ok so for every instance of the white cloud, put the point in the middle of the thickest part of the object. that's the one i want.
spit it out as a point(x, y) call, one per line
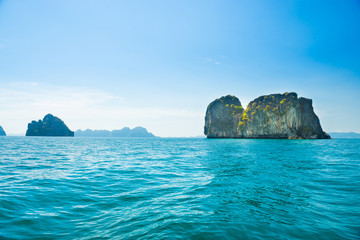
point(210, 60)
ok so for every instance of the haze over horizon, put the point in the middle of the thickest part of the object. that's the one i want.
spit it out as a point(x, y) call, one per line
point(114, 64)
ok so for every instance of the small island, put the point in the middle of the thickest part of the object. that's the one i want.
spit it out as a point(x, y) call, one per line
point(344, 135)
point(2, 132)
point(50, 126)
point(277, 116)
point(124, 132)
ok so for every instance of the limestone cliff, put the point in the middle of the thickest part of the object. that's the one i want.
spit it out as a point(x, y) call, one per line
point(2, 132)
point(49, 126)
point(272, 116)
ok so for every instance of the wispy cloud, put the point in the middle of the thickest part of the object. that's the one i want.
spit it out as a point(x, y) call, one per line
point(210, 60)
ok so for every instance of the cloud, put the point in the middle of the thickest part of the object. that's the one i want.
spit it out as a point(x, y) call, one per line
point(39, 97)
point(210, 60)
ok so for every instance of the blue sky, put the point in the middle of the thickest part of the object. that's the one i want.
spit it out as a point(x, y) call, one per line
point(157, 64)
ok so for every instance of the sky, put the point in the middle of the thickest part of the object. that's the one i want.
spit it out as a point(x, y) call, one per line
point(158, 64)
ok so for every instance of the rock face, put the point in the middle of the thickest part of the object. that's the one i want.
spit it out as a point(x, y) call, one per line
point(2, 132)
point(49, 126)
point(272, 116)
point(124, 132)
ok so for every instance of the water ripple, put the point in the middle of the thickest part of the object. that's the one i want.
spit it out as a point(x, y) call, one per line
point(112, 188)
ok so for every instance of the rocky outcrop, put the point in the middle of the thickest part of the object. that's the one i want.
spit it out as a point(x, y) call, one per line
point(2, 132)
point(49, 126)
point(272, 116)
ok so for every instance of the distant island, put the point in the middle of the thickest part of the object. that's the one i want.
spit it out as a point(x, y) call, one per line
point(278, 116)
point(124, 132)
point(344, 135)
point(49, 126)
point(2, 132)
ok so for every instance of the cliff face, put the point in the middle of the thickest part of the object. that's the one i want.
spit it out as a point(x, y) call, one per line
point(222, 117)
point(2, 132)
point(271, 116)
point(49, 126)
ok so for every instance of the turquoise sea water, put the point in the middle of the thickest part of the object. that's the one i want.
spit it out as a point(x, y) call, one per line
point(113, 188)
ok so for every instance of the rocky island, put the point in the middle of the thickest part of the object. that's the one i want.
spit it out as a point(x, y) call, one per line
point(49, 126)
point(124, 132)
point(272, 116)
point(2, 132)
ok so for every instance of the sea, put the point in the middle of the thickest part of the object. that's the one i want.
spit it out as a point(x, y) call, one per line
point(179, 188)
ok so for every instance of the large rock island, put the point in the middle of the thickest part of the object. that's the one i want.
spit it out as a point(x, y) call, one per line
point(2, 132)
point(272, 116)
point(49, 126)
